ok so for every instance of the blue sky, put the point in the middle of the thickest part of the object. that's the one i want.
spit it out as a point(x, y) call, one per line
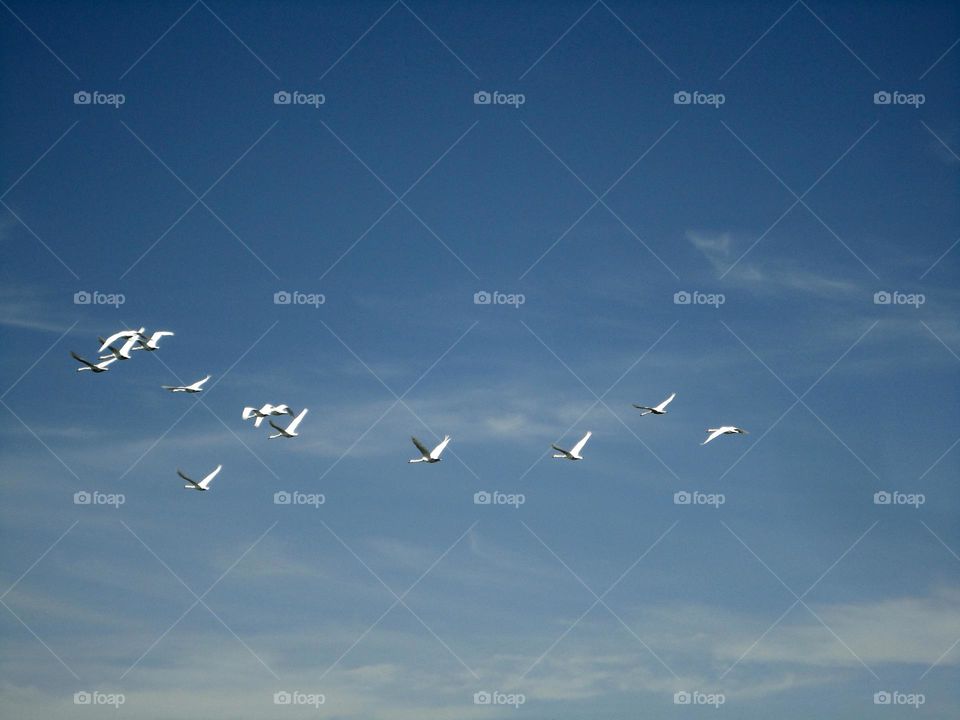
point(782, 212)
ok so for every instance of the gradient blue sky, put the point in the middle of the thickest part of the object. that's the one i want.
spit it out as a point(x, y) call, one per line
point(599, 199)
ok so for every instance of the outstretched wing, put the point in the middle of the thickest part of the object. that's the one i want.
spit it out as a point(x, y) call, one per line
point(561, 450)
point(579, 446)
point(666, 402)
point(292, 427)
point(192, 482)
point(421, 447)
point(435, 453)
point(713, 436)
point(80, 359)
point(209, 478)
point(198, 383)
point(277, 428)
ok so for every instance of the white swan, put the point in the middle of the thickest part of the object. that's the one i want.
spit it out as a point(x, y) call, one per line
point(574, 452)
point(656, 409)
point(194, 388)
point(124, 352)
point(203, 484)
point(725, 430)
point(429, 456)
point(99, 367)
point(265, 411)
point(290, 431)
point(117, 335)
point(151, 343)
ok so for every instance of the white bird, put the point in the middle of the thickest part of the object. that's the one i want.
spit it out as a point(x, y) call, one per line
point(124, 352)
point(194, 388)
point(656, 409)
point(266, 411)
point(429, 456)
point(116, 336)
point(99, 367)
point(203, 484)
point(151, 342)
point(725, 430)
point(574, 452)
point(290, 431)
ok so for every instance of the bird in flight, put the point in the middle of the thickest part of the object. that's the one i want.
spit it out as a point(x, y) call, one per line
point(429, 456)
point(290, 431)
point(574, 452)
point(203, 484)
point(194, 388)
point(725, 430)
point(656, 409)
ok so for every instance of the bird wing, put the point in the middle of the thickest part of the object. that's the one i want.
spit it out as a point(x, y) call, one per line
point(125, 349)
point(421, 447)
point(198, 383)
point(180, 473)
point(561, 450)
point(296, 421)
point(116, 336)
point(714, 435)
point(81, 360)
point(209, 478)
point(666, 402)
point(248, 412)
point(575, 450)
point(277, 428)
point(435, 453)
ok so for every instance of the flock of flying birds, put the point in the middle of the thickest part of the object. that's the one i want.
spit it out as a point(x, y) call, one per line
point(138, 340)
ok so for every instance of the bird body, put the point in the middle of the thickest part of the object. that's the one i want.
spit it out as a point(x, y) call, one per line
point(574, 452)
point(429, 456)
point(724, 430)
point(656, 409)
